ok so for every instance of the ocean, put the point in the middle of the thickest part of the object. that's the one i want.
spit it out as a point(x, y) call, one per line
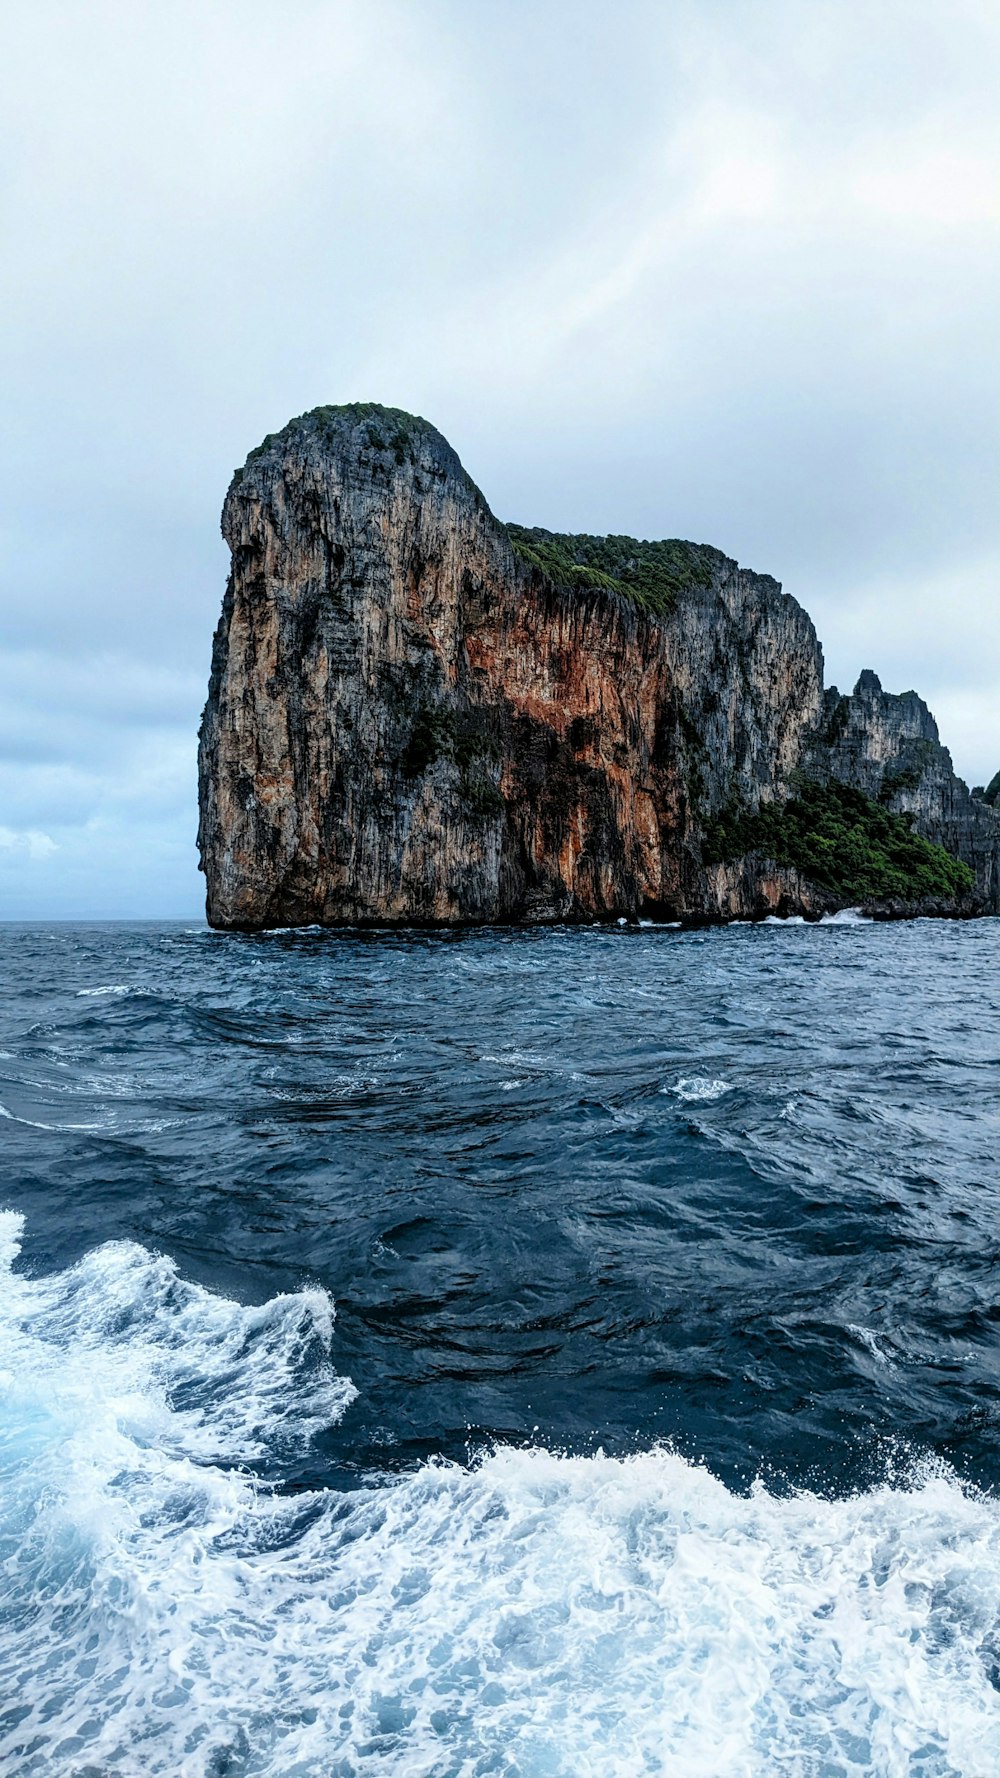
point(566, 1352)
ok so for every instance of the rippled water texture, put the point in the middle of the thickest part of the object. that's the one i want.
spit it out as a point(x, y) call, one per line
point(547, 1352)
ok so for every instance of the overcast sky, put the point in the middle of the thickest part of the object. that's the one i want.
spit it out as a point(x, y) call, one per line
point(725, 270)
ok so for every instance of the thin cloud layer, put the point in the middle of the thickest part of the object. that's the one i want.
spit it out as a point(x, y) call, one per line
point(725, 273)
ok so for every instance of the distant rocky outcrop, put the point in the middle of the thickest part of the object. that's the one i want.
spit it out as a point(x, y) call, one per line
point(887, 745)
point(417, 714)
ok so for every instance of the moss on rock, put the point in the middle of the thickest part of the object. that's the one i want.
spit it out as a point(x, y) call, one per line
point(651, 575)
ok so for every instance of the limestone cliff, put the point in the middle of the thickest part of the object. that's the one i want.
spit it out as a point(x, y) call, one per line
point(887, 745)
point(412, 720)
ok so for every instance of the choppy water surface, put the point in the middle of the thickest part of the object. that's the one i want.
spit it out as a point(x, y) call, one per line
point(569, 1352)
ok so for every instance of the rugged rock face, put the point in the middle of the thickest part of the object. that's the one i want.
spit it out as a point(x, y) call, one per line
point(409, 722)
point(887, 745)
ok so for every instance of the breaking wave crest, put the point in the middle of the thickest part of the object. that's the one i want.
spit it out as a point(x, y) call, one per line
point(583, 1617)
point(697, 1087)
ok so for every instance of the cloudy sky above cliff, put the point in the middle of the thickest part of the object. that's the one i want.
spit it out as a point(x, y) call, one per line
point(726, 270)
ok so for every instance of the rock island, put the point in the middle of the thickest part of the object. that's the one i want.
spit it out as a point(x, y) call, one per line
point(420, 715)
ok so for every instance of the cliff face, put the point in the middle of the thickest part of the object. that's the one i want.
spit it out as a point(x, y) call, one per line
point(408, 721)
point(887, 745)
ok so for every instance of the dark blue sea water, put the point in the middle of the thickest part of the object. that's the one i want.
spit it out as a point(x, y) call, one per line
point(566, 1352)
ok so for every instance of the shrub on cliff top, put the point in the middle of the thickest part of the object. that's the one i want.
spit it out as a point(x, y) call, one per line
point(387, 428)
point(652, 575)
point(843, 842)
point(390, 432)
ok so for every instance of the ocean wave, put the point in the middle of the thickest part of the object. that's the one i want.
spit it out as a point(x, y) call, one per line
point(867, 1338)
point(217, 1381)
point(32, 1123)
point(165, 1613)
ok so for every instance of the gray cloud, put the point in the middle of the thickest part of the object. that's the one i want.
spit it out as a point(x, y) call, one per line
point(723, 272)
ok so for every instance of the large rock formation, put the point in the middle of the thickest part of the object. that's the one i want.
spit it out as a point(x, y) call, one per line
point(410, 719)
point(887, 745)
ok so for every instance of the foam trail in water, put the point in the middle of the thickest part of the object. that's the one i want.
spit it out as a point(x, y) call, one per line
point(572, 1617)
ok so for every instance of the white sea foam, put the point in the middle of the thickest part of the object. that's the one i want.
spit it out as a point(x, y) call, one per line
point(870, 1341)
point(784, 920)
point(573, 1617)
point(224, 1381)
point(31, 1123)
point(847, 917)
point(114, 988)
point(695, 1087)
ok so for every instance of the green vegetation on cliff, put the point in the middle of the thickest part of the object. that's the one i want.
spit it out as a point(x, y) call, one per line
point(652, 575)
point(844, 843)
